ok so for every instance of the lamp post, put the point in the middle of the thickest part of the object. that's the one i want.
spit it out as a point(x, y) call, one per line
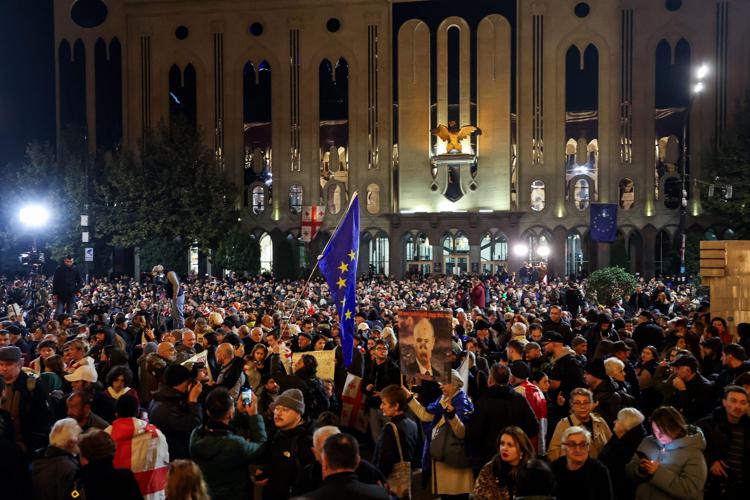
point(697, 86)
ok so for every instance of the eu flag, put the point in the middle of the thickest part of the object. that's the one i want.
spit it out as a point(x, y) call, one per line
point(603, 226)
point(339, 267)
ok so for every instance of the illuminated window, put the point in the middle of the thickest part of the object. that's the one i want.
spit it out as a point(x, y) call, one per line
point(266, 253)
point(295, 199)
point(259, 200)
point(581, 194)
point(537, 196)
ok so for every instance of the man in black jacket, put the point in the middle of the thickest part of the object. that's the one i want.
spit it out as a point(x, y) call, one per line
point(381, 373)
point(727, 433)
point(499, 407)
point(694, 395)
point(556, 323)
point(340, 460)
point(66, 283)
point(175, 409)
point(647, 332)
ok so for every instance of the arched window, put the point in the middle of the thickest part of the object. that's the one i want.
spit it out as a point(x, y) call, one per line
point(334, 198)
point(574, 263)
point(373, 198)
point(493, 252)
point(379, 257)
point(295, 199)
point(456, 254)
point(537, 196)
point(627, 194)
point(266, 253)
point(581, 194)
point(258, 200)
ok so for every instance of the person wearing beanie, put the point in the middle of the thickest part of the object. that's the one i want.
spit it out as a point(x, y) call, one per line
point(627, 434)
point(175, 409)
point(603, 329)
point(519, 380)
point(290, 448)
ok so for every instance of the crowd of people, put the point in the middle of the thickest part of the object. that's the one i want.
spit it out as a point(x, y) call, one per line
point(187, 390)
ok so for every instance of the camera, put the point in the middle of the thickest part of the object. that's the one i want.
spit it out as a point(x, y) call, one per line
point(32, 258)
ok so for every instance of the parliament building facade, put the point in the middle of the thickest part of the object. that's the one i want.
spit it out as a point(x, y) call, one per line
point(307, 101)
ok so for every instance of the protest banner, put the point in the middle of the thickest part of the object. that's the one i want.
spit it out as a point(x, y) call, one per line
point(424, 339)
point(326, 362)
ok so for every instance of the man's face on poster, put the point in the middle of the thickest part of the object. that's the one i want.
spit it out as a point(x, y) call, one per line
point(424, 341)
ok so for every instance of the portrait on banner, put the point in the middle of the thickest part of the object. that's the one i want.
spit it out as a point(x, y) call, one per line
point(424, 343)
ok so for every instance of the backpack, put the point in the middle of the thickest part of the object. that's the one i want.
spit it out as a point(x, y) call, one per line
point(316, 400)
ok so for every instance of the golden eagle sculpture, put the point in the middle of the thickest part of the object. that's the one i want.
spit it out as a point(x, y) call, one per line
point(453, 135)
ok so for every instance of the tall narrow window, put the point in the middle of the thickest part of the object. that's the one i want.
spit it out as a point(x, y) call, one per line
point(183, 95)
point(295, 199)
point(537, 196)
point(334, 123)
point(266, 253)
point(627, 194)
point(256, 119)
point(581, 194)
point(373, 198)
point(258, 200)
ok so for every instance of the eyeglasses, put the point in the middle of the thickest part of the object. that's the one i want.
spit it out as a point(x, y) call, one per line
point(581, 446)
point(581, 403)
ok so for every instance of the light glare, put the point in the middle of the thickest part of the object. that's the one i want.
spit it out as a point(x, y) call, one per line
point(520, 250)
point(33, 216)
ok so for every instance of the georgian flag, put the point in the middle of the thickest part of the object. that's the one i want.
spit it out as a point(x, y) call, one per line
point(312, 219)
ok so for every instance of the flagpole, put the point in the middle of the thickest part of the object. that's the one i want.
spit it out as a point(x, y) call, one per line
point(315, 267)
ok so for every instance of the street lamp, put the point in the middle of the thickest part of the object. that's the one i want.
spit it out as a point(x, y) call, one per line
point(33, 216)
point(520, 249)
point(697, 87)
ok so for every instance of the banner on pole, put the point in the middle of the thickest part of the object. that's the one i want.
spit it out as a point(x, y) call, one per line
point(424, 339)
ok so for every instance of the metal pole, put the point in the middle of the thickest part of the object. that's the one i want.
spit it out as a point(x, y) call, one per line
point(683, 192)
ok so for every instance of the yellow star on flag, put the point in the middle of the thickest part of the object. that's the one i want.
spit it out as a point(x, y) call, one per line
point(348, 315)
point(352, 254)
point(344, 267)
point(341, 282)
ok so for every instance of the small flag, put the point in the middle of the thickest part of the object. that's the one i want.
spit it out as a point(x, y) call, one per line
point(603, 225)
point(338, 264)
point(353, 404)
point(312, 219)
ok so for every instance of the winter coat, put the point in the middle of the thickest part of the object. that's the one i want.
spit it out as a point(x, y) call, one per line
point(223, 455)
point(696, 401)
point(143, 449)
point(499, 407)
point(66, 281)
point(616, 454)
point(446, 480)
point(101, 481)
point(599, 437)
point(53, 474)
point(385, 455)
point(590, 482)
point(611, 399)
point(347, 485)
point(380, 376)
point(682, 469)
point(718, 433)
point(287, 454)
point(151, 367)
point(176, 418)
point(493, 482)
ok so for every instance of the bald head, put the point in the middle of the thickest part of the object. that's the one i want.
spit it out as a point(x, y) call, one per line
point(224, 353)
point(167, 351)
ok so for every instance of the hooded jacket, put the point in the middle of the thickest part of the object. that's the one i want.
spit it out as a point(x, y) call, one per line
point(142, 448)
point(682, 471)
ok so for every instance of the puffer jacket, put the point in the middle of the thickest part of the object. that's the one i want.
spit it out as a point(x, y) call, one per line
point(171, 412)
point(682, 469)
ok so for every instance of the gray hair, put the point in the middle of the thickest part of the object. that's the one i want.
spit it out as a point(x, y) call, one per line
point(456, 379)
point(322, 433)
point(613, 366)
point(518, 329)
point(572, 431)
point(630, 418)
point(65, 435)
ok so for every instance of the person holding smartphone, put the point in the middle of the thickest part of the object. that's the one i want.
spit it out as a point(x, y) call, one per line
point(230, 441)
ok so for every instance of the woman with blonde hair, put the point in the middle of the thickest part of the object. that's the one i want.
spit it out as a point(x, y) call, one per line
point(185, 481)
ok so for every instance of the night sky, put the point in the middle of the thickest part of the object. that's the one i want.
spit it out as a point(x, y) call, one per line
point(27, 76)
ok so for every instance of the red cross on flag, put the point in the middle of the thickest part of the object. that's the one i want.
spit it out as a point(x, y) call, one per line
point(312, 219)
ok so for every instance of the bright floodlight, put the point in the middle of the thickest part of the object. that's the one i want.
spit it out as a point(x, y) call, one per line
point(698, 88)
point(520, 250)
point(702, 71)
point(33, 215)
point(543, 251)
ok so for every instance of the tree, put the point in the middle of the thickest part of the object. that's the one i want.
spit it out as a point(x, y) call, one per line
point(610, 284)
point(729, 160)
point(238, 252)
point(57, 180)
point(171, 190)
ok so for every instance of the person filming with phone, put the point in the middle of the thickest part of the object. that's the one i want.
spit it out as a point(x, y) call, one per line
point(228, 443)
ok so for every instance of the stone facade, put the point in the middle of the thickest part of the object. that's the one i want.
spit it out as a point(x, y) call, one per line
point(577, 103)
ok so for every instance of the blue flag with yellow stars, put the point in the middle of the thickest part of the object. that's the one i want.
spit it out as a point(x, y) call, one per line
point(603, 225)
point(339, 267)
